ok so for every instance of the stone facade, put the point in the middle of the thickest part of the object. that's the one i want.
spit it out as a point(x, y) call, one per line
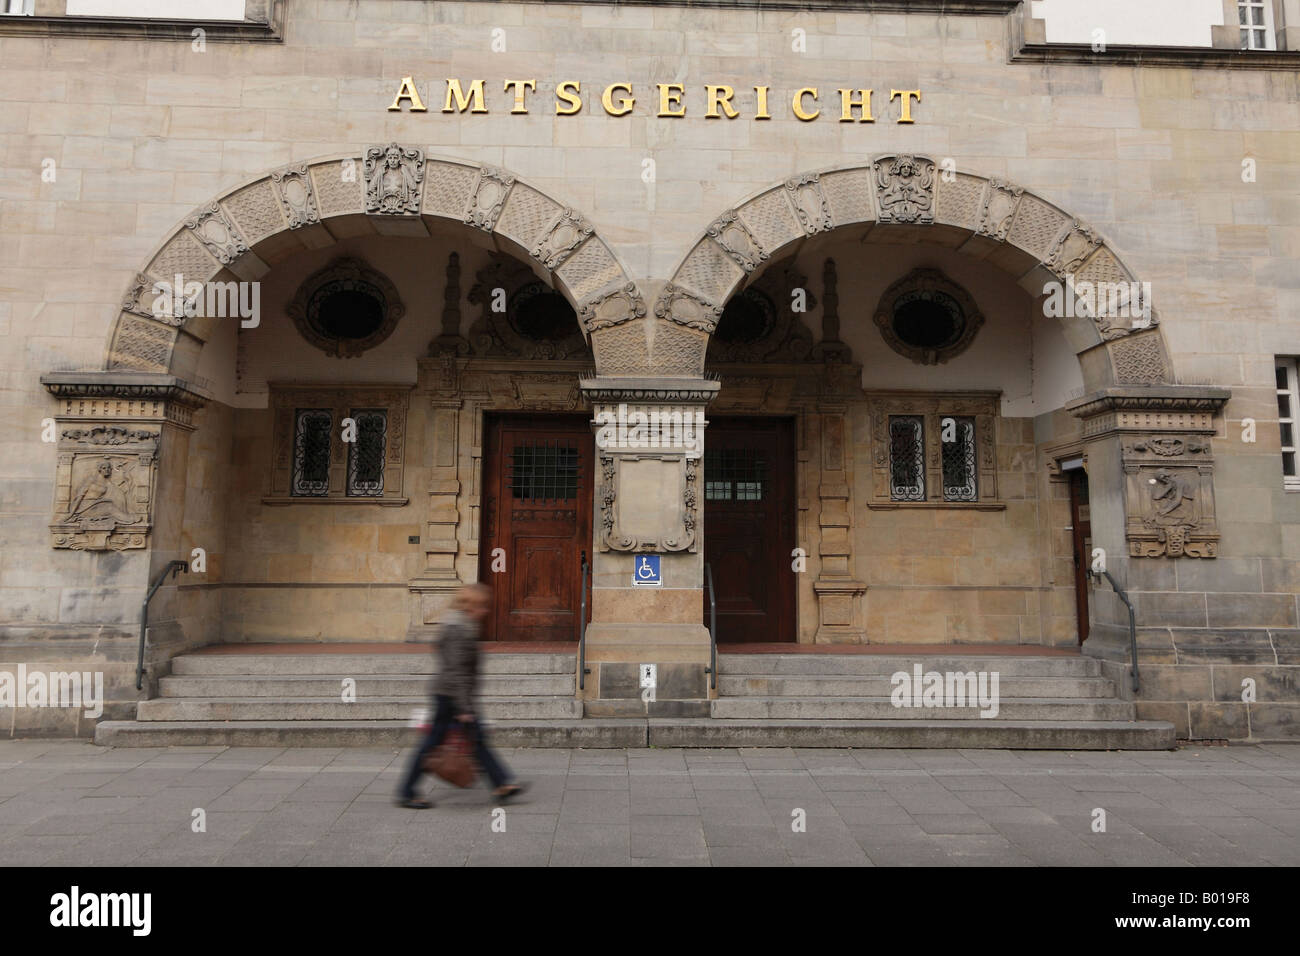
point(139, 433)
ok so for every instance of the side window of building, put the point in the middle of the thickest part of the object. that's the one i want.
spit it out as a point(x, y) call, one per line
point(338, 444)
point(1255, 23)
point(934, 451)
point(1288, 401)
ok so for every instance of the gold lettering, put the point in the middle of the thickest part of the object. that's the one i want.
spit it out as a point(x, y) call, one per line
point(762, 103)
point(462, 98)
point(670, 100)
point(797, 104)
point(847, 106)
point(907, 103)
point(625, 103)
point(519, 93)
point(721, 96)
point(568, 92)
point(407, 91)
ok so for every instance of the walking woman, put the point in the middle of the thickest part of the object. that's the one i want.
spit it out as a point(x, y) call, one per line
point(454, 695)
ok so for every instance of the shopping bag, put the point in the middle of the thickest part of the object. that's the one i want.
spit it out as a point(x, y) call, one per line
point(453, 759)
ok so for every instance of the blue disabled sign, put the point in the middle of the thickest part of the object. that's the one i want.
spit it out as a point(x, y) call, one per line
point(645, 571)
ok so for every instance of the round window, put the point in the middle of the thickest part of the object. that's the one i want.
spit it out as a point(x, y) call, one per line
point(748, 317)
point(346, 310)
point(541, 314)
point(928, 319)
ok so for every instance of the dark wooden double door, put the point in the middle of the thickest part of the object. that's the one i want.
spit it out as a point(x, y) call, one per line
point(749, 527)
point(537, 501)
point(538, 493)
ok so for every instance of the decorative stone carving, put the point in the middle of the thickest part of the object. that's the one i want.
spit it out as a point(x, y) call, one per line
point(613, 307)
point(686, 308)
point(1139, 360)
point(763, 326)
point(212, 227)
point(104, 499)
point(563, 236)
point(489, 196)
point(1169, 489)
point(344, 276)
point(508, 333)
point(905, 189)
point(450, 341)
point(809, 203)
point(1074, 246)
point(1001, 199)
point(830, 348)
point(932, 287)
point(139, 297)
point(731, 233)
point(297, 196)
point(642, 479)
point(394, 180)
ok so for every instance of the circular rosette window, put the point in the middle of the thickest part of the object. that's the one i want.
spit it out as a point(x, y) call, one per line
point(927, 317)
point(346, 309)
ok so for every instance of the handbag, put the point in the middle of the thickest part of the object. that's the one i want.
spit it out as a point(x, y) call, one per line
point(453, 759)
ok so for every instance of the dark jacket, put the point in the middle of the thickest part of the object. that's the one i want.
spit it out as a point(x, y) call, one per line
point(457, 660)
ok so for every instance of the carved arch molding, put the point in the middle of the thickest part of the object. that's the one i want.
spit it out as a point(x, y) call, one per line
point(398, 190)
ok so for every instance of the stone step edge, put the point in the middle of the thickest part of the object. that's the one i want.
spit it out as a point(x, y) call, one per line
point(636, 733)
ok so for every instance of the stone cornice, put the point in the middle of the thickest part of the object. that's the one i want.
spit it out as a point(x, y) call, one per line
point(138, 386)
point(1158, 398)
point(649, 390)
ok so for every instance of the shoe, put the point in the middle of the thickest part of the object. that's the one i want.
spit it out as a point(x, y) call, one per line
point(509, 790)
point(414, 803)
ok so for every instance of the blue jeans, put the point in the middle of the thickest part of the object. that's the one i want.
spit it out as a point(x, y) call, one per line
point(444, 716)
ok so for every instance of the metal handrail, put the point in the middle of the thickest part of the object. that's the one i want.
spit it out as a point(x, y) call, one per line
point(583, 670)
point(173, 568)
point(1132, 623)
point(713, 628)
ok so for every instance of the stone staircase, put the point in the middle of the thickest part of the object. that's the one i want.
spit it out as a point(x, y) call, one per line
point(844, 700)
point(252, 698)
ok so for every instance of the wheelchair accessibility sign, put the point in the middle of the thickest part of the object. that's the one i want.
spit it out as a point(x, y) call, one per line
point(645, 571)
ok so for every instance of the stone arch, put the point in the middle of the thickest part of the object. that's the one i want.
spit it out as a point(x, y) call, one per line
point(313, 203)
point(1003, 223)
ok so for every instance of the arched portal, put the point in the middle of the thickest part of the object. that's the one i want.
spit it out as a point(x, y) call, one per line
point(990, 219)
point(387, 190)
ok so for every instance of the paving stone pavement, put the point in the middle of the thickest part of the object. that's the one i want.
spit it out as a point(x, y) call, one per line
point(68, 803)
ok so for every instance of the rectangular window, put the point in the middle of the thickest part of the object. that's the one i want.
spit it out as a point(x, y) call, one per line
point(734, 474)
point(366, 454)
point(1255, 22)
point(1288, 402)
point(311, 452)
point(906, 458)
point(957, 439)
point(17, 7)
point(545, 470)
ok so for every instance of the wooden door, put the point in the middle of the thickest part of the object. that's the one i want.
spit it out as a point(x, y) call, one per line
point(537, 501)
point(749, 515)
point(1082, 530)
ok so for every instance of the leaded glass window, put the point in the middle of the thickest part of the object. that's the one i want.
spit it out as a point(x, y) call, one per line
point(366, 454)
point(906, 458)
point(734, 474)
point(544, 470)
point(311, 452)
point(957, 439)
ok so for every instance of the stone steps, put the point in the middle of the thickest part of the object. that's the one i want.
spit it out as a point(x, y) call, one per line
point(854, 685)
point(882, 708)
point(334, 708)
point(393, 685)
point(356, 665)
point(663, 733)
point(528, 700)
point(877, 665)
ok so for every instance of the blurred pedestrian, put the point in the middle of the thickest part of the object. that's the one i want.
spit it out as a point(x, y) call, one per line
point(455, 691)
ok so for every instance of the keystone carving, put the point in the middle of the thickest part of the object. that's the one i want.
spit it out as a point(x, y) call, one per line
point(394, 180)
point(905, 189)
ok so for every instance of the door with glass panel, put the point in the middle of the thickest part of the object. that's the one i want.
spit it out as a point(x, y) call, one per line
point(537, 501)
point(749, 525)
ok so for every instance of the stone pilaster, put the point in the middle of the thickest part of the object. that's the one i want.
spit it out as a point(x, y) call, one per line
point(649, 450)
